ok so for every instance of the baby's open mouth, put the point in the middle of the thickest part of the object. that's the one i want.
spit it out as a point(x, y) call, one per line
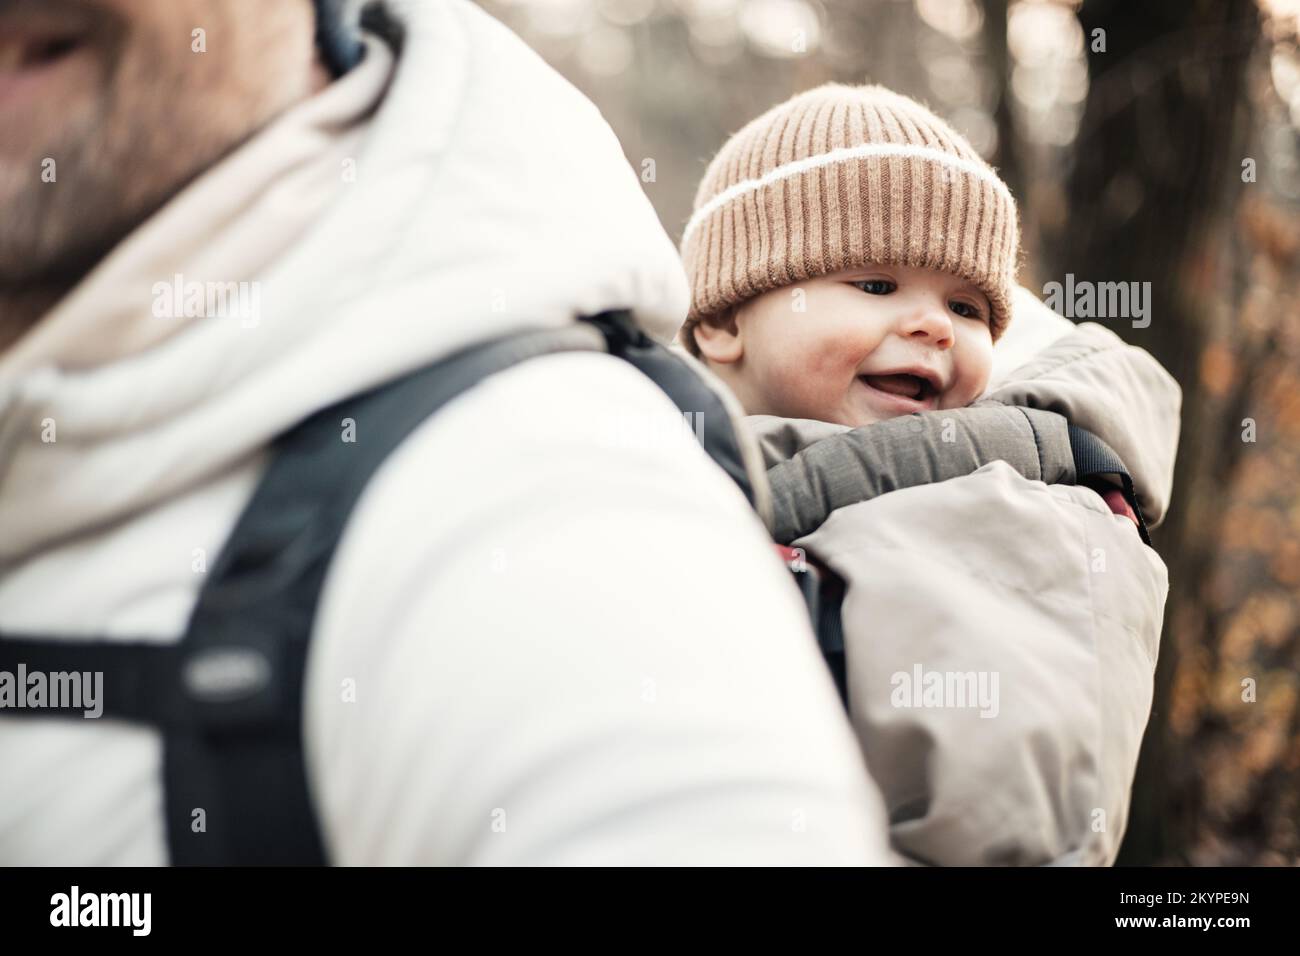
point(901, 383)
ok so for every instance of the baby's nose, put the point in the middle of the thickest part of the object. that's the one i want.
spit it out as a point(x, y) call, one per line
point(930, 324)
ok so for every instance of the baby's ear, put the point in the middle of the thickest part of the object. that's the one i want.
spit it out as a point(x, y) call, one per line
point(718, 337)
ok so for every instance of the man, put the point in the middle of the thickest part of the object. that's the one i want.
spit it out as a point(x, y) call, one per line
point(206, 238)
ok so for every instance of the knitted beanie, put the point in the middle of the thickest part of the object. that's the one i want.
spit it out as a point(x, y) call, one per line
point(837, 177)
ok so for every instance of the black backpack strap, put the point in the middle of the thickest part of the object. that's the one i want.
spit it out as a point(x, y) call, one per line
point(228, 697)
point(823, 595)
point(830, 635)
point(687, 390)
point(135, 677)
point(1094, 459)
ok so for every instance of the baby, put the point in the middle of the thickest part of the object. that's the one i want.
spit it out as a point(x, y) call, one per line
point(851, 259)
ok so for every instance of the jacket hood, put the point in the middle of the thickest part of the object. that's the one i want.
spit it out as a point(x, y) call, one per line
point(455, 191)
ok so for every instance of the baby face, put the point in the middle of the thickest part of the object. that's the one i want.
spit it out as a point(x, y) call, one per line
point(862, 345)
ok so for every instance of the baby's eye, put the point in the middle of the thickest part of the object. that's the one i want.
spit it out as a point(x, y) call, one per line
point(965, 309)
point(875, 286)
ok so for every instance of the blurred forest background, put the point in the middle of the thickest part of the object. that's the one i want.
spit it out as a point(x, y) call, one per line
point(1145, 141)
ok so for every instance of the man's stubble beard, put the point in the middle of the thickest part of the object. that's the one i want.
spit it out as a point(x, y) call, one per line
point(157, 125)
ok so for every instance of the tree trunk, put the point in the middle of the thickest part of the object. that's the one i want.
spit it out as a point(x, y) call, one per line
point(1149, 199)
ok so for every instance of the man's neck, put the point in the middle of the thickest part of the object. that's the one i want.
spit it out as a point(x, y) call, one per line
point(22, 308)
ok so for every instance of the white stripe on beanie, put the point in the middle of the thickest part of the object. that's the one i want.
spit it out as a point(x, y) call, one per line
point(845, 154)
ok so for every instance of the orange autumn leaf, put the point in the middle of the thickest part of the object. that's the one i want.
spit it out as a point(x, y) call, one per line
point(1218, 369)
